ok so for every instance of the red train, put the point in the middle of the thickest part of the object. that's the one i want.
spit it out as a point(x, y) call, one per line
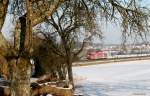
point(93, 55)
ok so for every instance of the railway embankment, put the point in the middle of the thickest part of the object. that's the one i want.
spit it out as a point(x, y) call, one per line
point(109, 60)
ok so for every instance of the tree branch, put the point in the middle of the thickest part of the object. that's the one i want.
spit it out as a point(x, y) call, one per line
point(48, 13)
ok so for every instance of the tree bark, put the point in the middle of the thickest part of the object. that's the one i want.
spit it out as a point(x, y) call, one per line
point(3, 42)
point(20, 82)
point(52, 9)
point(21, 72)
point(70, 75)
point(69, 68)
point(3, 11)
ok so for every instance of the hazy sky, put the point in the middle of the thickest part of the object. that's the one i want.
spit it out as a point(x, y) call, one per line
point(112, 32)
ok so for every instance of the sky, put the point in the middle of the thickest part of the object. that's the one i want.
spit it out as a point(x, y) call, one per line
point(146, 3)
point(112, 32)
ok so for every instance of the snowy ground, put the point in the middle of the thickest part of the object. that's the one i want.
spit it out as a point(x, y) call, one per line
point(115, 79)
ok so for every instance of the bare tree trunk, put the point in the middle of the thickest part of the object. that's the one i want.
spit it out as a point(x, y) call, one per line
point(70, 74)
point(20, 83)
point(69, 68)
point(3, 42)
point(3, 11)
point(61, 73)
point(21, 72)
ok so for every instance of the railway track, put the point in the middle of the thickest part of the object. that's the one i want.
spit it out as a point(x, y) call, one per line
point(109, 60)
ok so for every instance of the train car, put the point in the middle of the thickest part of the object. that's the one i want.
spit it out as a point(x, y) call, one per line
point(96, 55)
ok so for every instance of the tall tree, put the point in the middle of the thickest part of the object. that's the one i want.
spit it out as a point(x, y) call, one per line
point(66, 24)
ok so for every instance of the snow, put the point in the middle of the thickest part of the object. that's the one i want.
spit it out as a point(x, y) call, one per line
point(130, 78)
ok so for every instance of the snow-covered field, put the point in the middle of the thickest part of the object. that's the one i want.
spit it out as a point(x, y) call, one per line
point(130, 78)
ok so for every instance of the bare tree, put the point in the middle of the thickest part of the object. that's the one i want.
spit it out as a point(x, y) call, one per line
point(65, 24)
